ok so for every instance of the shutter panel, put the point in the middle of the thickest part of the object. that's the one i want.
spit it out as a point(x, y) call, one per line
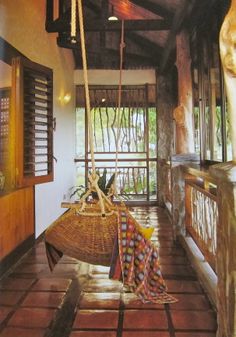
point(33, 99)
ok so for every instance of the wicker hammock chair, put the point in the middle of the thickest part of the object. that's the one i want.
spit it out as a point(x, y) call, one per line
point(87, 231)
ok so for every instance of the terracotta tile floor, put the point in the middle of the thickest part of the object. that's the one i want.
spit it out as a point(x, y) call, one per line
point(78, 300)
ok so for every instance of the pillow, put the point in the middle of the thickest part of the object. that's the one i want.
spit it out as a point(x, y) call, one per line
point(147, 232)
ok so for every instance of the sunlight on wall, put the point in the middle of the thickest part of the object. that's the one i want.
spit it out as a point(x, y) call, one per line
point(24, 28)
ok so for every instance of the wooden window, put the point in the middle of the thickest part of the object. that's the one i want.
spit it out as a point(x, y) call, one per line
point(4, 125)
point(211, 119)
point(32, 122)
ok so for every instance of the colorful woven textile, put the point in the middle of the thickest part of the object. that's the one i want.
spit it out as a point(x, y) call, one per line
point(139, 263)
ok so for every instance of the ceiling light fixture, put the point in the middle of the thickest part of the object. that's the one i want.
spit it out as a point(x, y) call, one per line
point(112, 17)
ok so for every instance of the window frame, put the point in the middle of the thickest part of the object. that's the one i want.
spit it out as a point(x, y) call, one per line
point(198, 39)
point(18, 123)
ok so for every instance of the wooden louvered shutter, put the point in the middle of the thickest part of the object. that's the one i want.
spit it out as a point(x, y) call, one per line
point(33, 108)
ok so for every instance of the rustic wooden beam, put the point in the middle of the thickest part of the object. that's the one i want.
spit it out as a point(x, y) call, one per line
point(104, 15)
point(93, 7)
point(110, 26)
point(180, 15)
point(154, 8)
point(111, 59)
point(152, 48)
point(7, 52)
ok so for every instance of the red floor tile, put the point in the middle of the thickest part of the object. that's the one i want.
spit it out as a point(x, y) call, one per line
point(131, 301)
point(164, 251)
point(17, 332)
point(64, 269)
point(28, 268)
point(39, 258)
point(32, 318)
point(103, 285)
point(10, 297)
point(4, 311)
point(99, 301)
point(52, 284)
point(193, 320)
point(43, 299)
point(192, 334)
point(180, 270)
point(182, 286)
point(165, 243)
point(190, 302)
point(93, 333)
point(173, 260)
point(96, 319)
point(145, 319)
point(145, 334)
point(16, 283)
point(190, 316)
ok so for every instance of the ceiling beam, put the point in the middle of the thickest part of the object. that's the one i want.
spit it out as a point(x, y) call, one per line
point(154, 8)
point(112, 60)
point(178, 21)
point(152, 48)
point(8, 52)
point(93, 7)
point(110, 26)
point(64, 43)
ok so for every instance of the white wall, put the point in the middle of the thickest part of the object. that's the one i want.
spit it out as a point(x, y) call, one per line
point(111, 77)
point(22, 24)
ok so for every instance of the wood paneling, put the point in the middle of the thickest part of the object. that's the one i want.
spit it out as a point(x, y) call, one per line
point(16, 219)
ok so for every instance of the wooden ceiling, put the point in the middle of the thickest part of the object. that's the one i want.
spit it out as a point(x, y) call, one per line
point(150, 30)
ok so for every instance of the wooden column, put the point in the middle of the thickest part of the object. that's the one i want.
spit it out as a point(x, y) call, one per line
point(184, 111)
point(225, 173)
point(166, 101)
point(228, 58)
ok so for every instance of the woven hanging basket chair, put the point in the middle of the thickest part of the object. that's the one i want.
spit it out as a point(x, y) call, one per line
point(87, 238)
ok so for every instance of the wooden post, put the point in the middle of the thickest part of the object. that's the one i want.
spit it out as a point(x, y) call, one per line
point(225, 173)
point(184, 111)
point(228, 58)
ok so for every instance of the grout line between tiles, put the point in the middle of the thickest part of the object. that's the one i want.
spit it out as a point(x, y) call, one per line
point(169, 320)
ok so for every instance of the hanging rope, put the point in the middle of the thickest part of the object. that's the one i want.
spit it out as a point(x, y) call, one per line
point(87, 98)
point(93, 178)
point(122, 46)
point(73, 21)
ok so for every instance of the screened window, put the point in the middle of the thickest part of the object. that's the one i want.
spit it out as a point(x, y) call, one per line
point(135, 127)
point(211, 121)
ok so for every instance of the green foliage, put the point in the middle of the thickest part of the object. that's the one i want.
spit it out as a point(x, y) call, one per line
point(102, 184)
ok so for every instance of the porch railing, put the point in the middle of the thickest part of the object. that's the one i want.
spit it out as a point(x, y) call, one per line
point(201, 213)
